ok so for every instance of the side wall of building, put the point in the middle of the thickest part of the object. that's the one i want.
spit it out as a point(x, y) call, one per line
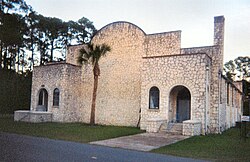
point(230, 104)
point(72, 95)
point(66, 78)
point(216, 52)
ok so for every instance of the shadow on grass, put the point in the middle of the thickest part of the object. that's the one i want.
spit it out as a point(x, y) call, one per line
point(77, 132)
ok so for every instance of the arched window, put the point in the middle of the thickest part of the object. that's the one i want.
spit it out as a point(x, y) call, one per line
point(43, 100)
point(154, 94)
point(56, 94)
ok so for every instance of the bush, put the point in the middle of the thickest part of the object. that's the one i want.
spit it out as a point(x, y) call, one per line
point(15, 91)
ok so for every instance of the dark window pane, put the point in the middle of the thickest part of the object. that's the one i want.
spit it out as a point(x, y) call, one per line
point(56, 97)
point(40, 100)
point(154, 98)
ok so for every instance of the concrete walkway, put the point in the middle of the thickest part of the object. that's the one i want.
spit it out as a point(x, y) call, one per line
point(142, 142)
point(23, 148)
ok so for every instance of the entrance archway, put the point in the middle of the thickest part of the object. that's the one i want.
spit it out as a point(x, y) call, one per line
point(42, 100)
point(180, 104)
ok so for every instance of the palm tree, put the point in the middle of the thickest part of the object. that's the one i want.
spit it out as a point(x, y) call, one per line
point(92, 54)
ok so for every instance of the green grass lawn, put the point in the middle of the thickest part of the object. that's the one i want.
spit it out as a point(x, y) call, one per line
point(228, 146)
point(77, 132)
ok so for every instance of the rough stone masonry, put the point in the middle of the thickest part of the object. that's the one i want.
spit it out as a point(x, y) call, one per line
point(146, 80)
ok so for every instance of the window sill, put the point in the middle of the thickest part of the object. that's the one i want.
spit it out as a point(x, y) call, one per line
point(154, 110)
point(56, 107)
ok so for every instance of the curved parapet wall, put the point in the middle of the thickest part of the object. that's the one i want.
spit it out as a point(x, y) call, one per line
point(118, 97)
point(119, 25)
point(120, 33)
point(119, 89)
point(158, 44)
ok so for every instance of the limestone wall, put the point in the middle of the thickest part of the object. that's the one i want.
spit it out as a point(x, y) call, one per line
point(170, 71)
point(161, 44)
point(73, 53)
point(66, 78)
point(32, 116)
point(46, 77)
point(118, 97)
point(217, 63)
point(72, 94)
point(119, 88)
point(209, 50)
point(230, 104)
point(216, 53)
point(191, 128)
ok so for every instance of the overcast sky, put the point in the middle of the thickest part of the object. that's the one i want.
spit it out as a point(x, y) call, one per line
point(195, 18)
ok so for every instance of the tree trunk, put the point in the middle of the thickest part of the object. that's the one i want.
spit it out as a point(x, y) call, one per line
point(5, 58)
point(23, 62)
point(32, 52)
point(96, 72)
point(92, 116)
point(10, 59)
point(51, 51)
point(18, 59)
point(1, 55)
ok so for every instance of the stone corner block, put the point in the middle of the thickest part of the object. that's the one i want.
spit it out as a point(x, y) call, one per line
point(32, 116)
point(154, 125)
point(191, 128)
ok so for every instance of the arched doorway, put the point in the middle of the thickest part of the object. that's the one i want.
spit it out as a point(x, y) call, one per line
point(42, 100)
point(180, 104)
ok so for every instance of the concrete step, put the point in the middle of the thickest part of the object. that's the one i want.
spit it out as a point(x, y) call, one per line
point(172, 128)
point(174, 132)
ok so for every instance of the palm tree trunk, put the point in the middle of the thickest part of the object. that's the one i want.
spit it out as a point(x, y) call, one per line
point(96, 72)
point(92, 115)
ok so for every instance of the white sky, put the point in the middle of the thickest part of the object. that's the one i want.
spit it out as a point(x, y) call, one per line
point(195, 18)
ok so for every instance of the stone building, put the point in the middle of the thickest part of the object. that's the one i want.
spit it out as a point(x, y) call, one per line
point(146, 80)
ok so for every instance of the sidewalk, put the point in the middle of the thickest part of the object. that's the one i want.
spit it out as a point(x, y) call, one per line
point(142, 142)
